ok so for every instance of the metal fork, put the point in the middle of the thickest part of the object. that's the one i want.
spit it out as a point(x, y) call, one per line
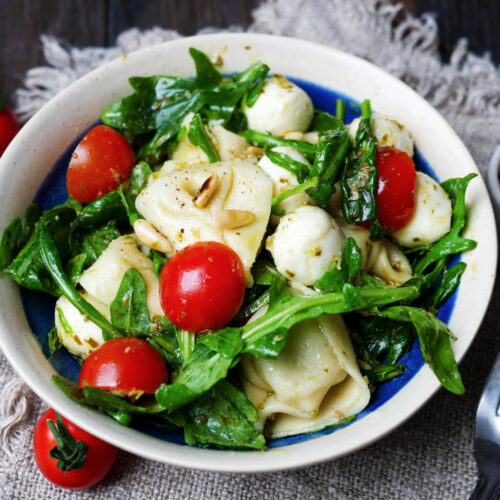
point(487, 439)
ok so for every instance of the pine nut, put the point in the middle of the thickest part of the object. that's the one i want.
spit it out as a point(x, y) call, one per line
point(233, 219)
point(151, 237)
point(206, 191)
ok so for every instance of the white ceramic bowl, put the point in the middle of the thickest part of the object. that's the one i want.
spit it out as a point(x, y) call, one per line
point(44, 138)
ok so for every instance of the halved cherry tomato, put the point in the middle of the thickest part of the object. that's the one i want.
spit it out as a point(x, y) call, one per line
point(126, 366)
point(9, 127)
point(100, 163)
point(396, 187)
point(88, 465)
point(202, 287)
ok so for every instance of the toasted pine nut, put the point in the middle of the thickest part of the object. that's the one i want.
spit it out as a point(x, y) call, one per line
point(294, 136)
point(254, 151)
point(206, 191)
point(151, 237)
point(233, 219)
point(311, 137)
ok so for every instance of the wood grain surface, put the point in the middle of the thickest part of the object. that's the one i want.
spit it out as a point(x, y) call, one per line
point(98, 22)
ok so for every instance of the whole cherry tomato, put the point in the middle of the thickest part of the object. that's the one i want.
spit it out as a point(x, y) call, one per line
point(126, 366)
point(202, 287)
point(100, 163)
point(396, 188)
point(69, 456)
point(8, 127)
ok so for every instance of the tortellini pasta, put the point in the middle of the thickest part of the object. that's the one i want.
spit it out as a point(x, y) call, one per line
point(315, 382)
point(167, 203)
point(100, 283)
point(380, 258)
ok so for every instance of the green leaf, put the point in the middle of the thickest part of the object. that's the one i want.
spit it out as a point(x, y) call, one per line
point(31, 217)
point(297, 168)
point(129, 311)
point(452, 243)
point(312, 182)
point(449, 282)
point(359, 178)
point(222, 417)
point(92, 243)
point(28, 268)
point(206, 74)
point(323, 122)
point(434, 337)
point(54, 342)
point(159, 260)
point(334, 279)
point(74, 268)
point(198, 137)
point(333, 147)
point(9, 242)
point(104, 400)
point(186, 343)
point(269, 141)
point(51, 260)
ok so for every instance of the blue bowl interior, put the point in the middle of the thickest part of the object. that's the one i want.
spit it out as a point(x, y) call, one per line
point(39, 307)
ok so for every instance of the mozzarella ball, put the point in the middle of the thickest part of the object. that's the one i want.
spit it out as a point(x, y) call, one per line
point(76, 331)
point(306, 244)
point(432, 216)
point(388, 133)
point(281, 107)
point(283, 179)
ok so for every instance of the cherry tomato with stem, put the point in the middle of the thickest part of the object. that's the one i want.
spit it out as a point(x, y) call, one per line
point(100, 163)
point(397, 183)
point(126, 366)
point(9, 127)
point(69, 456)
point(202, 287)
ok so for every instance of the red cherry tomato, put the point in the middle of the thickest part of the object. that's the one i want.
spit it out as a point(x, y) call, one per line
point(98, 458)
point(202, 287)
point(100, 163)
point(127, 366)
point(396, 188)
point(8, 127)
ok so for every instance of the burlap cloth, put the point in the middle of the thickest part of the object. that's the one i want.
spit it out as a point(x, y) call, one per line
point(429, 457)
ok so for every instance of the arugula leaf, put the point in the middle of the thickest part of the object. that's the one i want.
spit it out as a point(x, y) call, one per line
point(222, 417)
point(93, 243)
point(74, 268)
point(28, 269)
point(359, 178)
point(209, 362)
point(449, 282)
point(310, 183)
point(332, 149)
point(186, 343)
point(129, 312)
point(51, 261)
point(215, 353)
point(251, 308)
point(297, 168)
point(269, 141)
point(452, 243)
point(9, 242)
point(54, 342)
point(379, 373)
point(198, 137)
point(206, 74)
point(138, 181)
point(383, 339)
point(434, 337)
point(334, 279)
point(31, 217)
point(323, 121)
point(105, 400)
point(159, 260)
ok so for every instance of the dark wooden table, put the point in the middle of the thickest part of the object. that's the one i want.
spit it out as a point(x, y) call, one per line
point(98, 22)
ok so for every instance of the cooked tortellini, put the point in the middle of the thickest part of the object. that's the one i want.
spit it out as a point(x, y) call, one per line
point(284, 180)
point(388, 133)
point(244, 192)
point(228, 145)
point(315, 382)
point(431, 219)
point(100, 283)
point(380, 258)
point(306, 244)
point(281, 107)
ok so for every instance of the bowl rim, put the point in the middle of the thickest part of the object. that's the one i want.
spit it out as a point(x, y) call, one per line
point(292, 456)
